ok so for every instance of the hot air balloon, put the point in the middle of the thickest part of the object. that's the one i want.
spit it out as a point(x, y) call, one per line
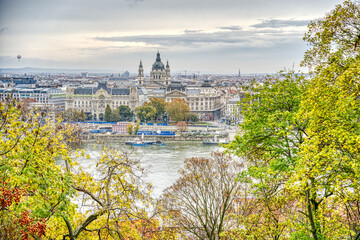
point(19, 57)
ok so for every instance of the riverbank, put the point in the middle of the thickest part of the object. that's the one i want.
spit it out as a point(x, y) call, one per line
point(126, 137)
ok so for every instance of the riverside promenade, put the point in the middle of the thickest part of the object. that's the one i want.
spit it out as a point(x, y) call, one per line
point(194, 133)
point(177, 138)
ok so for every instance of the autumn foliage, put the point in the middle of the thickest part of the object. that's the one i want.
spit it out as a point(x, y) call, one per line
point(300, 140)
point(12, 224)
point(9, 195)
point(181, 126)
point(177, 109)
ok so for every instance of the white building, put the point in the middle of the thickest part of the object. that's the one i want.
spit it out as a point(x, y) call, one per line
point(233, 111)
point(93, 100)
point(49, 96)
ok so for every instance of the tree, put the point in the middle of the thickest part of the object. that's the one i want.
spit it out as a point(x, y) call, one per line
point(308, 153)
point(201, 200)
point(73, 115)
point(191, 117)
point(145, 112)
point(16, 225)
point(270, 141)
point(126, 114)
point(129, 128)
point(330, 156)
point(29, 148)
point(336, 34)
point(291, 139)
point(108, 114)
point(36, 161)
point(159, 104)
point(177, 109)
point(181, 126)
point(112, 200)
point(82, 116)
point(115, 116)
point(137, 126)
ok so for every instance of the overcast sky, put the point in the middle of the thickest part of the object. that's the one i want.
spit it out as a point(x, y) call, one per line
point(205, 36)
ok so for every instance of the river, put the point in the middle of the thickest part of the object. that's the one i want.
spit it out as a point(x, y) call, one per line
point(162, 162)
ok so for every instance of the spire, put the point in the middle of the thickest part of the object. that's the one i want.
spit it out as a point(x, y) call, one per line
point(158, 59)
point(167, 63)
point(141, 70)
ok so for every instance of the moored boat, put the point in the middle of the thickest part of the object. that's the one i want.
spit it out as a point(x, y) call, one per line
point(140, 142)
point(215, 141)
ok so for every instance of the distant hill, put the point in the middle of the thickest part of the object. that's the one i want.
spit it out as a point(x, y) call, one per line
point(52, 70)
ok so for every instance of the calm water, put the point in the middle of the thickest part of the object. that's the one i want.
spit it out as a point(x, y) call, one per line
point(163, 162)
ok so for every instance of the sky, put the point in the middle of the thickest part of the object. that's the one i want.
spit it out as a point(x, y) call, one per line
point(200, 36)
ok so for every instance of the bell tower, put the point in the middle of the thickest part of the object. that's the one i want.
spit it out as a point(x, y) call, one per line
point(167, 73)
point(141, 74)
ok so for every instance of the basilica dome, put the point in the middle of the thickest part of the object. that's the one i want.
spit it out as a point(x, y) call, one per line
point(158, 65)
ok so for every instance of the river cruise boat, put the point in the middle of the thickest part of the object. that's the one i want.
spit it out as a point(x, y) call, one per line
point(140, 142)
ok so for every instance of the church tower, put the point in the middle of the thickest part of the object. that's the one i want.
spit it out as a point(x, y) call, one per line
point(167, 73)
point(141, 74)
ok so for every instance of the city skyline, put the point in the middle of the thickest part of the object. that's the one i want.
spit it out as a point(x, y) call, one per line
point(196, 36)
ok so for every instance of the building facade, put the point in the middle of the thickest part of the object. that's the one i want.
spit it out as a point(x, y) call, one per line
point(54, 97)
point(233, 111)
point(159, 74)
point(204, 101)
point(93, 101)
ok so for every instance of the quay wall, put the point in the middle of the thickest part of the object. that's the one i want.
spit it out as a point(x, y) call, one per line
point(176, 138)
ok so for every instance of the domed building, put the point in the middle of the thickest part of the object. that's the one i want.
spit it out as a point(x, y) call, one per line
point(159, 74)
point(204, 101)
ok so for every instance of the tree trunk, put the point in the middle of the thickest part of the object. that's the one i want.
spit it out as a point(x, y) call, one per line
point(311, 216)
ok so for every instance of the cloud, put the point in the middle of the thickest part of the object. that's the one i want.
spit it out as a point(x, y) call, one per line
point(187, 40)
point(104, 50)
point(189, 31)
point(232, 28)
point(191, 39)
point(4, 29)
point(132, 3)
point(276, 23)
